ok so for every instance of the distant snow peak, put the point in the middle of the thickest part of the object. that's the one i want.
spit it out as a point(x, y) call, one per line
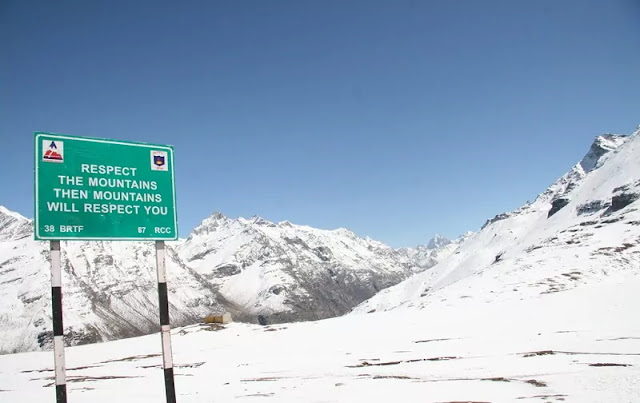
point(466, 235)
point(257, 220)
point(216, 216)
point(438, 241)
point(210, 223)
point(345, 232)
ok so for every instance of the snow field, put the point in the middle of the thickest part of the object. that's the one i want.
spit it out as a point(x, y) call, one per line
point(535, 349)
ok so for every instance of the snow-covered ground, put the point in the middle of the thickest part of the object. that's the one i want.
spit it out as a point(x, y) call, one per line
point(580, 345)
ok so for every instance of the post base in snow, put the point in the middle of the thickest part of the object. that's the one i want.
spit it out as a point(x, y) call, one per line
point(169, 385)
point(61, 393)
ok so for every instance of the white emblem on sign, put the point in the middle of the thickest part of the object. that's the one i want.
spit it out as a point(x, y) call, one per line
point(159, 161)
point(52, 151)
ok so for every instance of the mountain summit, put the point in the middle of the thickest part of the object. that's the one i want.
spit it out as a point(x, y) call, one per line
point(438, 241)
point(601, 146)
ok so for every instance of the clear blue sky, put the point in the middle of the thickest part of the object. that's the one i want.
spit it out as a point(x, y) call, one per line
point(395, 119)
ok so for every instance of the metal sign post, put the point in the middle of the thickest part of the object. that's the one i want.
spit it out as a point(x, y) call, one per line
point(58, 333)
point(104, 190)
point(165, 328)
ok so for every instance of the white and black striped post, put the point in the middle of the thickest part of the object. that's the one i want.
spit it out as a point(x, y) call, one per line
point(58, 332)
point(165, 328)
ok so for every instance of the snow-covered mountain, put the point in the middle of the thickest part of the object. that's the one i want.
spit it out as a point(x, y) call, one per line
point(109, 290)
point(438, 241)
point(285, 272)
point(585, 227)
point(438, 248)
point(257, 270)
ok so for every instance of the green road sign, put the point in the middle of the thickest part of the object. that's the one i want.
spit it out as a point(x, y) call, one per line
point(96, 189)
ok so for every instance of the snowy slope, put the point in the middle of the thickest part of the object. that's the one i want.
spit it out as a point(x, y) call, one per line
point(582, 229)
point(512, 351)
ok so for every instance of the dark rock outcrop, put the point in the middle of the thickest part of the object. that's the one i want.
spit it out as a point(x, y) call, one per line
point(557, 205)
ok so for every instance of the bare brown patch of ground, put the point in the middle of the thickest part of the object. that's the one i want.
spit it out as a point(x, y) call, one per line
point(536, 383)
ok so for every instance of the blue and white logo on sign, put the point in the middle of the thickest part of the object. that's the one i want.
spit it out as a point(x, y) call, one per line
point(159, 161)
